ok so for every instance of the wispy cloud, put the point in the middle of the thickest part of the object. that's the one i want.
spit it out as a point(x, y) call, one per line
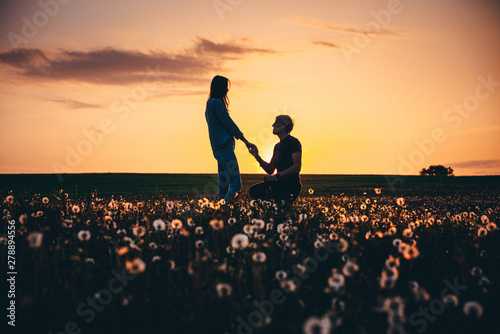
point(236, 47)
point(72, 104)
point(369, 28)
point(327, 44)
point(121, 67)
point(486, 164)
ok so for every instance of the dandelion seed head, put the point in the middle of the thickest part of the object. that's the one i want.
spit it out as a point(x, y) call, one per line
point(35, 239)
point(411, 253)
point(336, 281)
point(407, 233)
point(239, 241)
point(450, 300)
point(280, 275)
point(314, 325)
point(248, 229)
point(122, 251)
point(136, 266)
point(344, 245)
point(392, 262)
point(473, 309)
point(476, 271)
point(491, 227)
point(159, 225)
point(258, 223)
point(223, 290)
point(288, 285)
point(84, 235)
point(139, 231)
point(350, 268)
point(216, 224)
point(397, 242)
point(284, 237)
point(413, 285)
point(176, 224)
point(319, 244)
point(259, 257)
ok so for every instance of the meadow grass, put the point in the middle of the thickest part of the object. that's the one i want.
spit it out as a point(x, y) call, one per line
point(189, 184)
point(352, 255)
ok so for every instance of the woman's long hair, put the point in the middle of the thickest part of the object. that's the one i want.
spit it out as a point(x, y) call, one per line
point(219, 88)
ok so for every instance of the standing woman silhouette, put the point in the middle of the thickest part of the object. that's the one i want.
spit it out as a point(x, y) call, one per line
point(222, 132)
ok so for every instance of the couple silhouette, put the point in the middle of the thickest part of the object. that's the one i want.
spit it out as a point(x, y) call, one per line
point(282, 182)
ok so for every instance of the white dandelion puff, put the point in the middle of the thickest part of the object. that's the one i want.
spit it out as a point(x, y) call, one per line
point(259, 257)
point(84, 235)
point(314, 325)
point(223, 290)
point(135, 266)
point(239, 241)
point(176, 224)
point(139, 231)
point(159, 225)
point(35, 239)
point(280, 275)
point(473, 309)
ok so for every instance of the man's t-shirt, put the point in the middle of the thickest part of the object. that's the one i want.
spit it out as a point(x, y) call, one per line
point(282, 155)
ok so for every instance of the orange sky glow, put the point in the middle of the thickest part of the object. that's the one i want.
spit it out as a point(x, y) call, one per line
point(374, 86)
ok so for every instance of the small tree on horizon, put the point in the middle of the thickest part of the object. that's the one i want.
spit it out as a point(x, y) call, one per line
point(437, 170)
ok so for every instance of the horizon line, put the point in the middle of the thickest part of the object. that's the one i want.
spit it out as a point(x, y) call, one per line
point(83, 173)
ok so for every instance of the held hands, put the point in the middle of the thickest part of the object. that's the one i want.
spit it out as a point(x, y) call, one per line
point(252, 148)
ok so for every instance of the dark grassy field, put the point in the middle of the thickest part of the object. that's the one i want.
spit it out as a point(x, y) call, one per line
point(204, 184)
point(148, 255)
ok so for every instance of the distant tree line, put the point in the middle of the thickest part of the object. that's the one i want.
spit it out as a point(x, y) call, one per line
point(437, 170)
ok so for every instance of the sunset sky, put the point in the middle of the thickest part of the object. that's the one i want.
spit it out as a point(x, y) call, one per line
point(374, 86)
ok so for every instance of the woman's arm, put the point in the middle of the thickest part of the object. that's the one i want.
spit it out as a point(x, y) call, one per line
point(247, 143)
